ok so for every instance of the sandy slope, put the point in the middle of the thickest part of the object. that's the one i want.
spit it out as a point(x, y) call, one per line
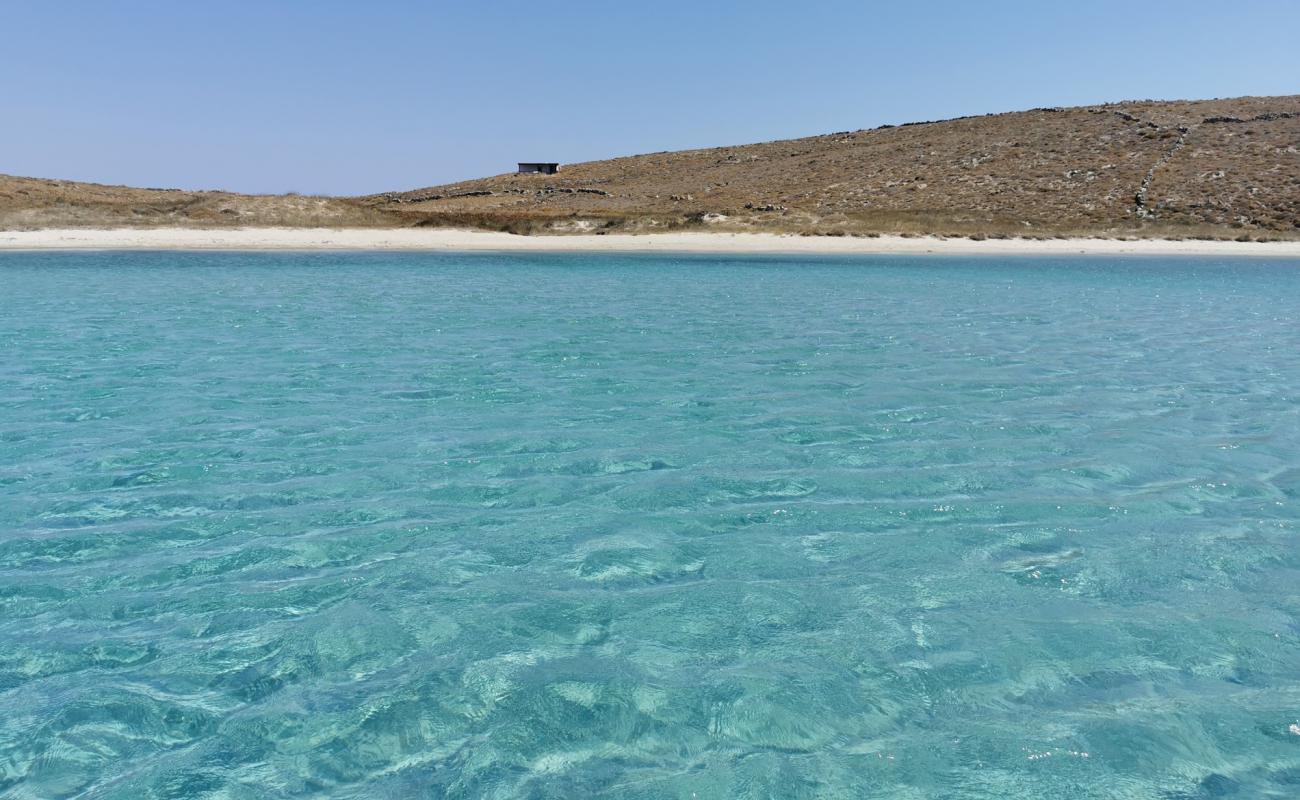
point(445, 239)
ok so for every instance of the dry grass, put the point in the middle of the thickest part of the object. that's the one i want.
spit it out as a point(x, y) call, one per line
point(31, 203)
point(1049, 172)
point(1222, 169)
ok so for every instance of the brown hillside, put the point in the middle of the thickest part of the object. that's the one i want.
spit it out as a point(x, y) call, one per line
point(27, 203)
point(1221, 168)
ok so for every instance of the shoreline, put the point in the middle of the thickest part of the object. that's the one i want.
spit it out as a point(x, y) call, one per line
point(452, 240)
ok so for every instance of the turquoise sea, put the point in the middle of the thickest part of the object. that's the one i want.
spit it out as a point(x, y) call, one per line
point(567, 526)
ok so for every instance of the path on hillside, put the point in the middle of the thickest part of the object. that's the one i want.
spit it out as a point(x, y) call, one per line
point(1141, 208)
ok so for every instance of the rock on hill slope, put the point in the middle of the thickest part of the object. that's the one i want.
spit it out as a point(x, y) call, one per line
point(1216, 168)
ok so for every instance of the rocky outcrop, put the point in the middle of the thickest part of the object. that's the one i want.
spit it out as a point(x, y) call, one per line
point(1256, 118)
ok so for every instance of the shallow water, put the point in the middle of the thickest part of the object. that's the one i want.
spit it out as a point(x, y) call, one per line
point(360, 526)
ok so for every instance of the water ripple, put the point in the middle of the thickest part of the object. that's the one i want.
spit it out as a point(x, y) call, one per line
point(364, 525)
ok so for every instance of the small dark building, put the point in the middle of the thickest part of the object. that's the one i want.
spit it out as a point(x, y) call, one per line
point(529, 167)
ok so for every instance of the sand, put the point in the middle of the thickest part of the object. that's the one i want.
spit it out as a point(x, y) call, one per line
point(464, 240)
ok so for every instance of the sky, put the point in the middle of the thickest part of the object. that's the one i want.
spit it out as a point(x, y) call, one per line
point(335, 97)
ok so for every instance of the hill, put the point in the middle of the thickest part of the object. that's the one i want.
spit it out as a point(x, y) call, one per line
point(1214, 168)
point(33, 203)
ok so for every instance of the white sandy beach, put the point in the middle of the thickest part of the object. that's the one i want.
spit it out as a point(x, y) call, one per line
point(704, 242)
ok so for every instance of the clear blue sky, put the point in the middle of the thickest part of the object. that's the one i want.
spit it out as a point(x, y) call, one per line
point(349, 97)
